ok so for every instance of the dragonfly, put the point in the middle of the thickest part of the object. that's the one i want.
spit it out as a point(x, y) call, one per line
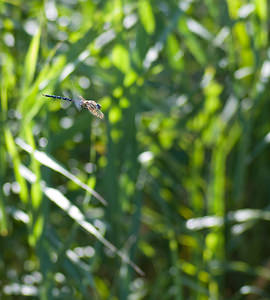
point(90, 105)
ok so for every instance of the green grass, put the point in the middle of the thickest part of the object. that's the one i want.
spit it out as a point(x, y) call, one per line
point(168, 195)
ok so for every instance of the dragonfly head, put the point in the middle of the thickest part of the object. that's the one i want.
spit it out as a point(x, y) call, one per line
point(98, 106)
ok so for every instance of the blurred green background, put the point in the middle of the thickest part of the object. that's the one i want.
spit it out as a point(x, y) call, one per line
point(168, 197)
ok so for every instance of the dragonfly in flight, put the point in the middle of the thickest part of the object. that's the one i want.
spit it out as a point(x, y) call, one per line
point(91, 105)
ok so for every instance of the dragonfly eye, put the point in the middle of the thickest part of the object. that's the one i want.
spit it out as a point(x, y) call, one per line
point(98, 106)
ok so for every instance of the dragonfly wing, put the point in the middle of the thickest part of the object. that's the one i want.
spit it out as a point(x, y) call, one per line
point(99, 114)
point(76, 99)
point(77, 103)
point(96, 109)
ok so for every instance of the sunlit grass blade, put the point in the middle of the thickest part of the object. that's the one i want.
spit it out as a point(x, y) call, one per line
point(3, 155)
point(74, 212)
point(13, 152)
point(44, 159)
point(59, 199)
point(31, 60)
point(4, 217)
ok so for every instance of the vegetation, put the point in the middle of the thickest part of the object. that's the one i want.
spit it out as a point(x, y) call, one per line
point(167, 197)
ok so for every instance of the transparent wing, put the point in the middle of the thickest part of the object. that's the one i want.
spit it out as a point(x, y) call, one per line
point(77, 103)
point(76, 99)
point(98, 113)
point(75, 96)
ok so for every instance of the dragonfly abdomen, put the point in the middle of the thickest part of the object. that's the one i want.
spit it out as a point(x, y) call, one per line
point(58, 97)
